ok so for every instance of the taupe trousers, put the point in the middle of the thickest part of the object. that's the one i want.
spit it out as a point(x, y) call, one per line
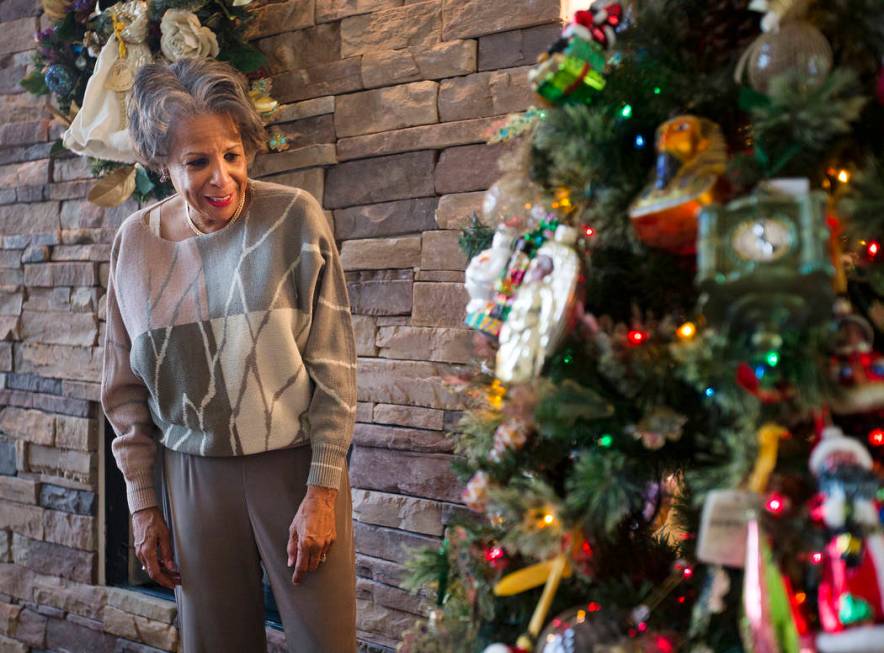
point(227, 516)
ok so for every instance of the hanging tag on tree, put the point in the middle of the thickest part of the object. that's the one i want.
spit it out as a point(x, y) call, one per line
point(726, 513)
point(722, 536)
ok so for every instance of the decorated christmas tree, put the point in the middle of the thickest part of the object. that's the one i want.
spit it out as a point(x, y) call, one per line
point(676, 427)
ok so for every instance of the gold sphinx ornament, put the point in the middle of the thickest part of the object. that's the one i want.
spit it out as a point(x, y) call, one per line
point(691, 158)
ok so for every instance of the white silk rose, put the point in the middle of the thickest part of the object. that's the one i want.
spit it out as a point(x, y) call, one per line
point(183, 36)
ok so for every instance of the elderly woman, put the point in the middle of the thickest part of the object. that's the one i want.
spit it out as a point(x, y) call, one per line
point(229, 340)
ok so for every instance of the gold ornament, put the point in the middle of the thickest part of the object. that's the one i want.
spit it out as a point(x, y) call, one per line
point(787, 44)
point(120, 77)
point(114, 188)
point(56, 10)
point(260, 95)
point(691, 157)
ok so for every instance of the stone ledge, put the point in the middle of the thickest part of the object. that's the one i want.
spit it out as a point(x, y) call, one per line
point(385, 219)
point(329, 10)
point(516, 48)
point(438, 136)
point(441, 251)
point(381, 253)
point(469, 18)
point(446, 345)
point(485, 94)
point(447, 59)
point(439, 304)
point(387, 292)
point(281, 17)
point(307, 109)
point(384, 109)
point(317, 81)
point(406, 439)
point(421, 418)
point(416, 383)
point(419, 475)
point(302, 157)
point(416, 24)
point(398, 511)
point(381, 179)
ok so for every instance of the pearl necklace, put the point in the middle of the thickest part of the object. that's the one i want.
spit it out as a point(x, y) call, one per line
point(200, 232)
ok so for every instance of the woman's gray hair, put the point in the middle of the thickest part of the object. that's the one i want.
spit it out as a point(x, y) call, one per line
point(163, 94)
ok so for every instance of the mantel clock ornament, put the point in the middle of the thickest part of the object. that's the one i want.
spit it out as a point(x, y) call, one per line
point(763, 261)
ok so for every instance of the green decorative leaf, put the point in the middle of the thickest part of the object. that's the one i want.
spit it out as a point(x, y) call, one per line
point(35, 84)
point(142, 181)
point(67, 29)
point(476, 237)
point(57, 149)
point(243, 57)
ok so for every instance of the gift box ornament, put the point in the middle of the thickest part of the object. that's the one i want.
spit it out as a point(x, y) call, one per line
point(572, 70)
point(691, 157)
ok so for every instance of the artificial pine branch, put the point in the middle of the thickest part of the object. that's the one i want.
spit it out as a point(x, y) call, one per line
point(797, 123)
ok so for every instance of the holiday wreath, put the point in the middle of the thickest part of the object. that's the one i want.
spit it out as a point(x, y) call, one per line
point(85, 63)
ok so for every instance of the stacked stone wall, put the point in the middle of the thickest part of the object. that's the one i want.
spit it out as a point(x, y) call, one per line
point(386, 106)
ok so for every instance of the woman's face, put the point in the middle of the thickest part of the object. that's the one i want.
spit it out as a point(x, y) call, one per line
point(207, 165)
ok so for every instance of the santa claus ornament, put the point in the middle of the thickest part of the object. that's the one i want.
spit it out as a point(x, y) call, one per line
point(851, 592)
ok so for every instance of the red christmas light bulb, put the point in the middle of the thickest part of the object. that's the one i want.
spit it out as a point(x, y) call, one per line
point(876, 437)
point(494, 553)
point(873, 248)
point(776, 503)
point(636, 337)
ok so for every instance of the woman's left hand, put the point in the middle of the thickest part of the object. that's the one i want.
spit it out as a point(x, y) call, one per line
point(312, 531)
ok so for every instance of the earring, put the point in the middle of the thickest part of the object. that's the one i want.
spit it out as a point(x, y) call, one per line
point(163, 176)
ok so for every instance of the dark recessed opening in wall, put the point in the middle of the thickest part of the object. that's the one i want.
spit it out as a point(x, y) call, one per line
point(122, 568)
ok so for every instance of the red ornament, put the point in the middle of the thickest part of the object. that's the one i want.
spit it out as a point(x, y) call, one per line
point(747, 380)
point(601, 22)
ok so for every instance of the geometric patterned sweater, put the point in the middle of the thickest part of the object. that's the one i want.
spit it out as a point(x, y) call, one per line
point(230, 343)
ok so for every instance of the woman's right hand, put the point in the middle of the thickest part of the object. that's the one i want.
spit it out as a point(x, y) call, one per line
point(153, 547)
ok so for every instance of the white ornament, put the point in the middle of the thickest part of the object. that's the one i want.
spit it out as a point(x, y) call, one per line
point(100, 127)
point(538, 318)
point(497, 648)
point(486, 268)
point(184, 36)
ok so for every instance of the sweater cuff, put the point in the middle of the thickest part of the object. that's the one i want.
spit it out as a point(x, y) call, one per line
point(327, 464)
point(140, 493)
